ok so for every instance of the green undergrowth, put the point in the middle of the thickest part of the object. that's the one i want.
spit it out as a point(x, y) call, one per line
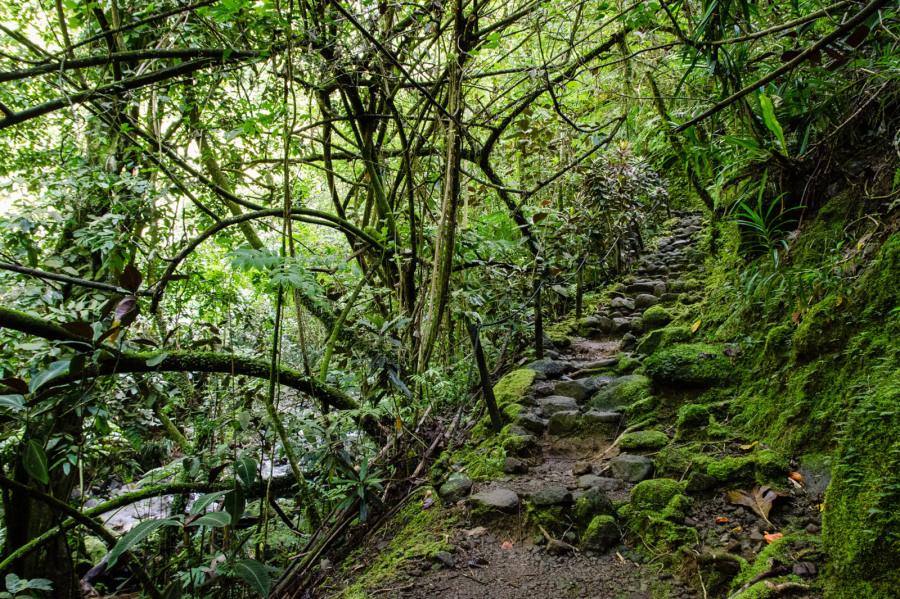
point(416, 536)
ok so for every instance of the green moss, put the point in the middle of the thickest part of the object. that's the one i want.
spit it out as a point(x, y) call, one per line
point(861, 522)
point(622, 392)
point(820, 330)
point(644, 440)
point(655, 494)
point(554, 519)
point(778, 340)
point(601, 533)
point(513, 387)
point(560, 333)
point(417, 535)
point(688, 364)
point(656, 317)
point(511, 412)
point(692, 416)
point(761, 467)
point(627, 364)
point(677, 508)
point(675, 460)
point(592, 503)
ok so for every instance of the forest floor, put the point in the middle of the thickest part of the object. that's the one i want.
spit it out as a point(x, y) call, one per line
point(501, 541)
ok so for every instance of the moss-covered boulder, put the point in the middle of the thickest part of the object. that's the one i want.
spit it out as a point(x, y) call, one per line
point(692, 416)
point(778, 340)
point(655, 494)
point(514, 386)
point(820, 330)
point(621, 392)
point(644, 441)
point(662, 338)
point(688, 364)
point(592, 503)
point(656, 317)
point(763, 466)
point(601, 534)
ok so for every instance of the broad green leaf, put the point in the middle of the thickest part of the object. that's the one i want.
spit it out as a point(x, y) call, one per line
point(12, 402)
point(235, 502)
point(55, 370)
point(205, 501)
point(245, 469)
point(35, 461)
point(254, 574)
point(772, 123)
point(157, 359)
point(214, 519)
point(136, 535)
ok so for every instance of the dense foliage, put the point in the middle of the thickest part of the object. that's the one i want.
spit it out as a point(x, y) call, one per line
point(241, 242)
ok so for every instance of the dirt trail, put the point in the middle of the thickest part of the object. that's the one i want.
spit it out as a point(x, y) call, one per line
point(502, 557)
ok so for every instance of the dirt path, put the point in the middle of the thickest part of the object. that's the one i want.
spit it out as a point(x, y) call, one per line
point(496, 550)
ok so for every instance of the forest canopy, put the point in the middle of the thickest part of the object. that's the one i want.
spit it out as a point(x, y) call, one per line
point(246, 246)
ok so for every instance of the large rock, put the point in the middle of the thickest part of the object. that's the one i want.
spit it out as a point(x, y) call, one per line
point(563, 423)
point(547, 496)
point(607, 485)
point(644, 441)
point(655, 494)
point(601, 534)
point(502, 500)
point(557, 403)
point(621, 325)
point(631, 468)
point(644, 301)
point(621, 392)
point(531, 422)
point(514, 466)
point(656, 317)
point(577, 390)
point(640, 287)
point(696, 364)
point(548, 368)
point(593, 502)
point(455, 489)
point(622, 303)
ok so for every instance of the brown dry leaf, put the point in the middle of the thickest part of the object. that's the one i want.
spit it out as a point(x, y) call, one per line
point(722, 520)
point(506, 545)
point(796, 476)
point(759, 500)
point(771, 538)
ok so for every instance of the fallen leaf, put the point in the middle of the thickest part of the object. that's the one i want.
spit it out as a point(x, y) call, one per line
point(796, 476)
point(737, 529)
point(759, 500)
point(722, 520)
point(838, 301)
point(770, 538)
point(398, 424)
point(695, 327)
point(476, 532)
point(795, 317)
point(750, 446)
point(821, 507)
point(506, 545)
point(428, 501)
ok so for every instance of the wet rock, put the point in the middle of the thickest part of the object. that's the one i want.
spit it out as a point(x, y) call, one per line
point(531, 422)
point(562, 423)
point(514, 466)
point(644, 301)
point(601, 534)
point(557, 403)
point(621, 325)
point(577, 390)
point(455, 489)
point(631, 468)
point(629, 342)
point(549, 368)
point(604, 324)
point(621, 392)
point(622, 303)
point(593, 502)
point(547, 496)
point(502, 500)
point(641, 287)
point(445, 559)
point(581, 468)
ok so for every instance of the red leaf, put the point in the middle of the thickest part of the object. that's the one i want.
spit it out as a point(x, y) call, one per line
point(773, 537)
point(539, 217)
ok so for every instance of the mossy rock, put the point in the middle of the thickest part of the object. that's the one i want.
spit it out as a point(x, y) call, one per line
point(621, 392)
point(778, 340)
point(656, 317)
point(785, 550)
point(514, 386)
point(692, 416)
point(655, 494)
point(593, 503)
point(663, 338)
point(675, 460)
point(763, 466)
point(821, 329)
point(601, 534)
point(644, 441)
point(688, 364)
point(512, 411)
point(627, 364)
